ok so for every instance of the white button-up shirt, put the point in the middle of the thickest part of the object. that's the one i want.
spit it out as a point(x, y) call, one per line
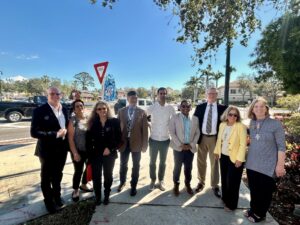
point(59, 115)
point(160, 118)
point(214, 119)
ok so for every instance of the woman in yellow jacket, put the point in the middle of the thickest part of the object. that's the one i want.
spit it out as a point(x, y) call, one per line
point(231, 149)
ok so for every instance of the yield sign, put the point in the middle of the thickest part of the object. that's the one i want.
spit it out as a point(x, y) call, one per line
point(100, 70)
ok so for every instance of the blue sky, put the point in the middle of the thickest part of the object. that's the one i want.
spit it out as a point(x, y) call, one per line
point(61, 38)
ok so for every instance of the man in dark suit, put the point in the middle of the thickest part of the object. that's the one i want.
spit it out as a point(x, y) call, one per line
point(209, 114)
point(48, 125)
point(134, 126)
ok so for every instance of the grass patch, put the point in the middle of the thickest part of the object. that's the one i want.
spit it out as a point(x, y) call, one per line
point(79, 213)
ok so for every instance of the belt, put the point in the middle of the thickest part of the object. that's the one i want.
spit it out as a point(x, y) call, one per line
point(206, 135)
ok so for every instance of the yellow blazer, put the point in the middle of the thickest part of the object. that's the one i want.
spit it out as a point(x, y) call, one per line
point(237, 142)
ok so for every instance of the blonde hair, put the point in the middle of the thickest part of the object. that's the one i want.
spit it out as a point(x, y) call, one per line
point(251, 115)
point(94, 116)
point(224, 116)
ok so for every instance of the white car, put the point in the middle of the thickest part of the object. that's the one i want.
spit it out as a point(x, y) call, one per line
point(141, 102)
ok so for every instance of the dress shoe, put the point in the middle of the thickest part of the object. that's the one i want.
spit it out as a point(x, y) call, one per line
point(133, 192)
point(59, 202)
point(121, 187)
point(199, 187)
point(176, 189)
point(50, 206)
point(189, 190)
point(106, 200)
point(75, 197)
point(217, 192)
point(98, 200)
point(161, 185)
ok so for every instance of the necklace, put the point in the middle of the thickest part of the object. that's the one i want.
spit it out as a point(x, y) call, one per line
point(258, 127)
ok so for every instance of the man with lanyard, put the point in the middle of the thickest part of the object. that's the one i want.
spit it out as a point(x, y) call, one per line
point(209, 114)
point(159, 140)
point(48, 125)
point(134, 127)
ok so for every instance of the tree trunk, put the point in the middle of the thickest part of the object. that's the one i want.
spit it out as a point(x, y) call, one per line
point(227, 72)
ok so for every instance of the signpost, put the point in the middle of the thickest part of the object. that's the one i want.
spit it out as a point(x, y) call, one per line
point(100, 69)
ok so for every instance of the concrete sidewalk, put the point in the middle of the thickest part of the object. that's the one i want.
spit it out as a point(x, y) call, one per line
point(21, 198)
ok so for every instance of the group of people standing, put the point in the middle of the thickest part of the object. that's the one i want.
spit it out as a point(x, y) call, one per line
point(214, 130)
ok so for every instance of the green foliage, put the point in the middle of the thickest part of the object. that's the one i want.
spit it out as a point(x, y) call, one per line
point(84, 80)
point(278, 52)
point(293, 124)
point(291, 102)
point(142, 92)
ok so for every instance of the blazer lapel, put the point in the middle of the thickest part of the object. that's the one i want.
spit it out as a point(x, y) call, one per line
point(52, 116)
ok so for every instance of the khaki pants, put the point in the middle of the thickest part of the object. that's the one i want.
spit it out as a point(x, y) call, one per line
point(207, 146)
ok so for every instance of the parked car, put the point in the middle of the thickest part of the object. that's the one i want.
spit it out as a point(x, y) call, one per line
point(15, 111)
point(122, 102)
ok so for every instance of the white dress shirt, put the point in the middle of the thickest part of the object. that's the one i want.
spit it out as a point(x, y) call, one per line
point(59, 115)
point(214, 119)
point(160, 118)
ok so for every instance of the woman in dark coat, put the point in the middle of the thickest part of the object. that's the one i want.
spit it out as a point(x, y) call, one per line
point(102, 140)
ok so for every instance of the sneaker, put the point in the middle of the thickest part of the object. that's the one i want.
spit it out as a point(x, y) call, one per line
point(161, 185)
point(152, 186)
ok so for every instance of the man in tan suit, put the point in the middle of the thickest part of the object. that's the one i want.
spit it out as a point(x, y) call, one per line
point(134, 126)
point(184, 131)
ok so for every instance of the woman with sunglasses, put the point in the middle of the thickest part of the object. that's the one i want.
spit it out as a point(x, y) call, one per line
point(265, 159)
point(102, 140)
point(231, 150)
point(76, 135)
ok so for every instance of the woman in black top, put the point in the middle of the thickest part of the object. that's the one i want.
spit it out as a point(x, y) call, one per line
point(102, 140)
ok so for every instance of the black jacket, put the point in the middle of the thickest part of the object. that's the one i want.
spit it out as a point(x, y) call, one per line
point(96, 143)
point(200, 111)
point(44, 127)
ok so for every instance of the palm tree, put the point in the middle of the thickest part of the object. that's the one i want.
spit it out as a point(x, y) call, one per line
point(207, 74)
point(194, 83)
point(216, 76)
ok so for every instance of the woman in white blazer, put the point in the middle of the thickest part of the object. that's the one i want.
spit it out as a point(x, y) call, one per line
point(231, 149)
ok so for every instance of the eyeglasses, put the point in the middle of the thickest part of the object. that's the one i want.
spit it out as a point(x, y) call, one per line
point(52, 94)
point(233, 115)
point(185, 106)
point(162, 93)
point(100, 109)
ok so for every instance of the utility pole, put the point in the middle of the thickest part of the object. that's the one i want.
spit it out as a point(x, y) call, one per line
point(1, 86)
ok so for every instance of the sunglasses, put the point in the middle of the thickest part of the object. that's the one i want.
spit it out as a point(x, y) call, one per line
point(100, 109)
point(233, 115)
point(185, 106)
point(78, 106)
point(57, 94)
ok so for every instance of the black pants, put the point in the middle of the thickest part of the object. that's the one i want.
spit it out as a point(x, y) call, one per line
point(51, 175)
point(231, 181)
point(106, 163)
point(185, 158)
point(78, 170)
point(261, 189)
point(136, 158)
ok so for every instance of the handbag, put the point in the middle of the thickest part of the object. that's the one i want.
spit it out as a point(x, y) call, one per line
point(89, 172)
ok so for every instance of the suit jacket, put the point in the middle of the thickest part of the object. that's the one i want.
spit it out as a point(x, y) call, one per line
point(176, 129)
point(200, 112)
point(44, 127)
point(237, 142)
point(139, 130)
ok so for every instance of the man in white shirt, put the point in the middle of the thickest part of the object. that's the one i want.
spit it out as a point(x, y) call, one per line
point(159, 140)
point(209, 114)
point(48, 125)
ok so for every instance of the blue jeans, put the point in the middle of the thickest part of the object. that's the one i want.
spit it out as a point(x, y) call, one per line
point(136, 158)
point(185, 158)
point(162, 148)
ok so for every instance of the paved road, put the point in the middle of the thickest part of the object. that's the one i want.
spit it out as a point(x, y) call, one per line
point(12, 131)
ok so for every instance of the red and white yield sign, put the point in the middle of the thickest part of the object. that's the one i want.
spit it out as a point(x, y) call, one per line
point(100, 70)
